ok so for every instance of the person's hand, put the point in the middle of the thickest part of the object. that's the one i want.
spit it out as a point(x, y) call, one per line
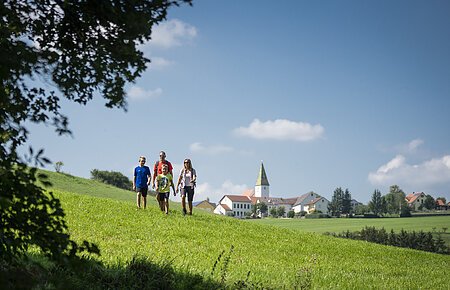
point(134, 187)
point(153, 185)
point(176, 191)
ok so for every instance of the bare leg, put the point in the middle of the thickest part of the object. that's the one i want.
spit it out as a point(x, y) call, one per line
point(138, 199)
point(183, 203)
point(167, 205)
point(144, 198)
point(160, 202)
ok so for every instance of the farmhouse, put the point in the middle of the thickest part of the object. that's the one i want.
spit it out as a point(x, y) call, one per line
point(205, 204)
point(440, 204)
point(241, 205)
point(415, 200)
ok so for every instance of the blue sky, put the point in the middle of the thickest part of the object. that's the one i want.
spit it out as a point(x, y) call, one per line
point(351, 94)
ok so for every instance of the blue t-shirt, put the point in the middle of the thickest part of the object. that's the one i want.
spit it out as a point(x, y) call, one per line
point(142, 174)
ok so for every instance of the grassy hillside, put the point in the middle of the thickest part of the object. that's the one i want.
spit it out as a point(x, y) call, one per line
point(69, 183)
point(262, 255)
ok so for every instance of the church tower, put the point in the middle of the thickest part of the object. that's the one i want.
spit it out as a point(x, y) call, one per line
point(262, 184)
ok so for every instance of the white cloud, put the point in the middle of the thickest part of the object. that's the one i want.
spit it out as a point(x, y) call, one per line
point(160, 63)
point(211, 150)
point(281, 129)
point(206, 190)
point(414, 144)
point(429, 174)
point(138, 93)
point(172, 33)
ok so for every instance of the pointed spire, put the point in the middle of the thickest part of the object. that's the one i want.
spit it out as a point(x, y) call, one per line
point(262, 177)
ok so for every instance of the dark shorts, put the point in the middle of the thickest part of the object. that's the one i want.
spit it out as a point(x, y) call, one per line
point(189, 192)
point(142, 190)
point(163, 195)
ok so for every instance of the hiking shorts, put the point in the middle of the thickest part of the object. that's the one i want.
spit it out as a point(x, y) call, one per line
point(189, 192)
point(142, 190)
point(163, 195)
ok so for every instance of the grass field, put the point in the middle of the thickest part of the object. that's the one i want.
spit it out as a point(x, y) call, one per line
point(268, 256)
point(337, 225)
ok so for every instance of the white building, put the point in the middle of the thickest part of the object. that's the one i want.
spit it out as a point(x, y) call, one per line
point(235, 205)
point(240, 205)
point(319, 204)
point(304, 200)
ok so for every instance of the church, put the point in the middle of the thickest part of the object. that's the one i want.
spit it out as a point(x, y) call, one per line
point(240, 206)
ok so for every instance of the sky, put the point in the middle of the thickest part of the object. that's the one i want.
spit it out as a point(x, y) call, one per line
point(327, 94)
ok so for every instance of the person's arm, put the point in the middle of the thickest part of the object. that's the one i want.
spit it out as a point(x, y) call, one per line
point(179, 180)
point(134, 180)
point(149, 179)
point(194, 177)
point(155, 173)
point(173, 188)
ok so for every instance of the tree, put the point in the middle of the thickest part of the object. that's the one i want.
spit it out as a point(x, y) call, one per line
point(291, 214)
point(346, 202)
point(112, 177)
point(281, 211)
point(335, 206)
point(395, 199)
point(361, 209)
point(429, 202)
point(273, 212)
point(376, 204)
point(58, 166)
point(81, 48)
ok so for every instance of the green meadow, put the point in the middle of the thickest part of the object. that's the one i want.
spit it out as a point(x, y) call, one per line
point(337, 225)
point(233, 253)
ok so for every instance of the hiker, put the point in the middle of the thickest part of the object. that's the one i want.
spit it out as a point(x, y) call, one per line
point(164, 182)
point(157, 168)
point(141, 181)
point(186, 182)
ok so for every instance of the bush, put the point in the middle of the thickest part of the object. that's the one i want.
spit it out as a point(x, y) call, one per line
point(291, 214)
point(316, 216)
point(423, 241)
point(112, 178)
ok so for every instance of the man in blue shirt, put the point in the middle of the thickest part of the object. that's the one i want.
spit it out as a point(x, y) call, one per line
point(141, 180)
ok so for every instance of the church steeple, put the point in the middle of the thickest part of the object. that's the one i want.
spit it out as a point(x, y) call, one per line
point(262, 177)
point(262, 183)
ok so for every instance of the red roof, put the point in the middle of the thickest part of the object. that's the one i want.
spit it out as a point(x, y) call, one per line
point(225, 207)
point(410, 198)
point(238, 198)
point(315, 200)
point(440, 202)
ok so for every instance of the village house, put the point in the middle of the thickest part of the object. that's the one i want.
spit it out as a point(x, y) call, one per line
point(205, 204)
point(319, 204)
point(415, 200)
point(241, 205)
point(440, 204)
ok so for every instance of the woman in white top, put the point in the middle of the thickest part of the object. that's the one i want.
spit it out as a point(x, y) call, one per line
point(186, 182)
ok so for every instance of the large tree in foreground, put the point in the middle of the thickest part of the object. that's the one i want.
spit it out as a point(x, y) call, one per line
point(81, 49)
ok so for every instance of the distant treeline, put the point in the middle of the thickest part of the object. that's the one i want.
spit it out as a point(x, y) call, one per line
point(113, 178)
point(424, 241)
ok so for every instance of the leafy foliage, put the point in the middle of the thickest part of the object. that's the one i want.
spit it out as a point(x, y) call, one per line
point(80, 48)
point(112, 177)
point(340, 202)
point(395, 200)
point(377, 204)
